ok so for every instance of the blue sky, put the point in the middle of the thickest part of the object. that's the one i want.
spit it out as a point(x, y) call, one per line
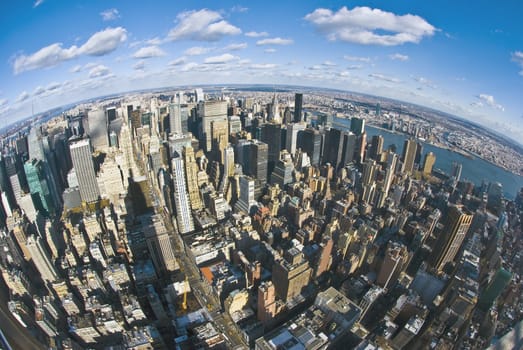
point(461, 57)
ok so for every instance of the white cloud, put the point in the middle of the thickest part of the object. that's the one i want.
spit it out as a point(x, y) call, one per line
point(490, 101)
point(148, 52)
point(99, 71)
point(274, 41)
point(235, 47)
point(202, 25)
point(110, 14)
point(425, 81)
point(316, 67)
point(45, 57)
point(22, 97)
point(178, 61)
point(399, 57)
point(363, 25)
point(263, 65)
point(226, 57)
point(196, 51)
point(189, 66)
point(154, 41)
point(329, 64)
point(75, 69)
point(104, 41)
point(518, 58)
point(256, 34)
point(99, 44)
point(270, 50)
point(38, 3)
point(3, 102)
point(384, 78)
point(355, 66)
point(356, 58)
point(38, 91)
point(140, 65)
point(239, 8)
point(53, 86)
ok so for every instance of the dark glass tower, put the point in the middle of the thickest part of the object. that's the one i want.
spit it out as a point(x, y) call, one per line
point(298, 106)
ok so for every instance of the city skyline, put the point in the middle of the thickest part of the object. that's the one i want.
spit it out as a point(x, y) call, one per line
point(417, 54)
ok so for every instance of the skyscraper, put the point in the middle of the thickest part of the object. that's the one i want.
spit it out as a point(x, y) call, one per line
point(272, 136)
point(209, 112)
point(496, 286)
point(309, 141)
point(191, 173)
point(98, 129)
point(357, 125)
point(41, 259)
point(450, 239)
point(38, 186)
point(376, 147)
point(334, 147)
point(409, 155)
point(266, 302)
point(160, 246)
point(291, 139)
point(246, 200)
point(394, 262)
point(255, 163)
point(298, 105)
point(430, 159)
point(290, 274)
point(83, 164)
point(181, 197)
point(175, 118)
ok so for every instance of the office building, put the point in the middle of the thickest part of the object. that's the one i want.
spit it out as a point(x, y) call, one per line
point(247, 194)
point(175, 118)
point(41, 259)
point(83, 164)
point(283, 172)
point(98, 129)
point(409, 155)
point(181, 197)
point(254, 156)
point(350, 148)
point(494, 289)
point(266, 302)
point(160, 246)
point(272, 136)
point(430, 160)
point(376, 147)
point(209, 112)
point(395, 261)
point(449, 242)
point(191, 174)
point(298, 106)
point(38, 186)
point(334, 147)
point(291, 139)
point(324, 256)
point(290, 274)
point(310, 141)
point(357, 125)
point(407, 333)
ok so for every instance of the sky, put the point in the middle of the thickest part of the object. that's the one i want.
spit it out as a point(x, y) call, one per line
point(460, 57)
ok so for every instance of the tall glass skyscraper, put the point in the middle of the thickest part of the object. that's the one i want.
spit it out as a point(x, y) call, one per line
point(34, 172)
point(83, 164)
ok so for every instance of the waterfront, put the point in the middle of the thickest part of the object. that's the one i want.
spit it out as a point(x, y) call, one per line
point(475, 170)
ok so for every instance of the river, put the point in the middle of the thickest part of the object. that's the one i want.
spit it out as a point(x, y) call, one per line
point(476, 170)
